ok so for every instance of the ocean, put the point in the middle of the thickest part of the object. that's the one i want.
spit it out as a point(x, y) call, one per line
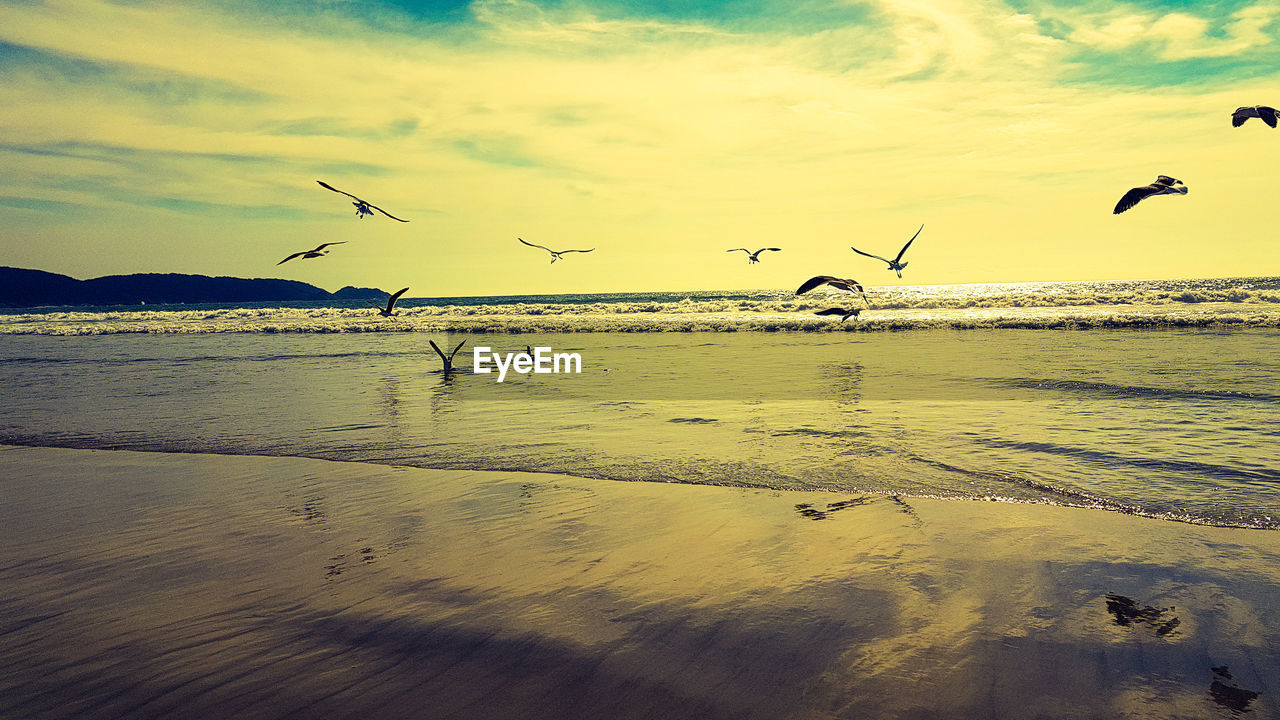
point(1153, 398)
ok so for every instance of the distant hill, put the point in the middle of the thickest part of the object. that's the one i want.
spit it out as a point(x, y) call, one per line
point(32, 288)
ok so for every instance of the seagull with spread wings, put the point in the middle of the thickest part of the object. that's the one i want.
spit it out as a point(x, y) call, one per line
point(1262, 112)
point(752, 257)
point(895, 264)
point(844, 313)
point(1164, 185)
point(391, 303)
point(362, 207)
point(306, 254)
point(446, 359)
point(852, 286)
point(555, 254)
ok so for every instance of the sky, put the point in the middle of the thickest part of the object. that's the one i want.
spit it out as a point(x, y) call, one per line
point(170, 137)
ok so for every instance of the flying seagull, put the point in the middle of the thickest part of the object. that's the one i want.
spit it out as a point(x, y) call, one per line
point(1164, 185)
point(839, 283)
point(555, 254)
point(844, 313)
point(1262, 112)
point(306, 254)
point(391, 303)
point(895, 264)
point(752, 257)
point(362, 207)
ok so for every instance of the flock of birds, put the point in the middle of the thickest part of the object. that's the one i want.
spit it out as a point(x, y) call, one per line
point(1163, 185)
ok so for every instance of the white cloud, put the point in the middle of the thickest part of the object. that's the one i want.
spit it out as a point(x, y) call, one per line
point(1175, 35)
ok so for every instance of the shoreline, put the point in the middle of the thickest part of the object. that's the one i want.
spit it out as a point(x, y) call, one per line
point(249, 586)
point(1080, 501)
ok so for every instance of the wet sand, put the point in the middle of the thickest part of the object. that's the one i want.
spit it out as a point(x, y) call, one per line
point(146, 585)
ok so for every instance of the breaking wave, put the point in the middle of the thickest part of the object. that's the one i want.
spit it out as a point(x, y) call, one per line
point(1081, 305)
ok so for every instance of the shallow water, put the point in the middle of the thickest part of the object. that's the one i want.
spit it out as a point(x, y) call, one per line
point(1173, 423)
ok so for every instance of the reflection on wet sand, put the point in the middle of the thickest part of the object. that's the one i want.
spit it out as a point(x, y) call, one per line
point(905, 508)
point(1127, 611)
point(1228, 694)
point(807, 509)
point(810, 511)
point(163, 585)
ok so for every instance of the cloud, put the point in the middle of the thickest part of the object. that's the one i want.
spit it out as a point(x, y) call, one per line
point(1176, 36)
point(575, 121)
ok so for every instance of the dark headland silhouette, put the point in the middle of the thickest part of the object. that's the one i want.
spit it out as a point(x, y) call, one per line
point(34, 288)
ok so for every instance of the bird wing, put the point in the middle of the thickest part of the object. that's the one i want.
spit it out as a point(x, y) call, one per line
point(904, 247)
point(325, 245)
point(1132, 197)
point(291, 257)
point(327, 186)
point(868, 254)
point(391, 302)
point(813, 282)
point(1268, 115)
point(737, 249)
point(1239, 116)
point(384, 212)
point(540, 247)
point(850, 285)
point(831, 311)
point(437, 349)
point(835, 282)
point(763, 249)
point(565, 251)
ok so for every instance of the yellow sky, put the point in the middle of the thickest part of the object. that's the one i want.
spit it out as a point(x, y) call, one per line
point(170, 138)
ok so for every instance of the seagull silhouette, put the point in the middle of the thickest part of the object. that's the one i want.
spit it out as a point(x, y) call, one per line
point(305, 254)
point(752, 257)
point(555, 254)
point(843, 312)
point(1164, 185)
point(446, 359)
point(362, 207)
point(391, 303)
point(895, 264)
point(852, 286)
point(1262, 112)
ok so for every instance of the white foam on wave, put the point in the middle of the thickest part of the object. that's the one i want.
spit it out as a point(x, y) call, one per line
point(1084, 305)
point(576, 318)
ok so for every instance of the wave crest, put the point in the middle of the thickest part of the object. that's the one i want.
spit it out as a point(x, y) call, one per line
point(1197, 304)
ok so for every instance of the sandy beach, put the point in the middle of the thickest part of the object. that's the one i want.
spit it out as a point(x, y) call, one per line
point(143, 585)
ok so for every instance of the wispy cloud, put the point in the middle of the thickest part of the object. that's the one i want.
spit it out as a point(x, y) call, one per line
point(1179, 35)
point(653, 130)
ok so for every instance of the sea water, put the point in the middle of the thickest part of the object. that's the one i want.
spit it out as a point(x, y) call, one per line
point(1157, 398)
